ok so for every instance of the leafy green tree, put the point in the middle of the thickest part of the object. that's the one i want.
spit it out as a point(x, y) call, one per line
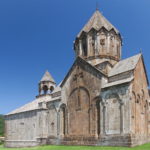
point(1, 125)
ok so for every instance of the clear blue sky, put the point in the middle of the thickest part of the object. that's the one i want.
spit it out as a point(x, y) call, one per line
point(36, 35)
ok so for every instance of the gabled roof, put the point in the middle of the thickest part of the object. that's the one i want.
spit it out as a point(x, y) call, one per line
point(118, 82)
point(145, 70)
point(27, 107)
point(125, 65)
point(47, 77)
point(79, 59)
point(31, 105)
point(34, 105)
point(97, 21)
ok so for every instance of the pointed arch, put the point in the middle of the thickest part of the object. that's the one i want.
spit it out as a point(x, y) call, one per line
point(95, 116)
point(52, 120)
point(78, 109)
point(62, 119)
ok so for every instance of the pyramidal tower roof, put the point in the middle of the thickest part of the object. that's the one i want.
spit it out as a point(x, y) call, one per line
point(47, 77)
point(97, 21)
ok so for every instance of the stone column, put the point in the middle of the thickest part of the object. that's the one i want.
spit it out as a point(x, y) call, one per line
point(121, 117)
point(58, 123)
point(90, 120)
point(102, 123)
point(104, 119)
point(66, 121)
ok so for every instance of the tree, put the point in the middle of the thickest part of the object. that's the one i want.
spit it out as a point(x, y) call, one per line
point(1, 125)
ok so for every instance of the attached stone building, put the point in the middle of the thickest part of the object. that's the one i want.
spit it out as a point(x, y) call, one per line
point(103, 100)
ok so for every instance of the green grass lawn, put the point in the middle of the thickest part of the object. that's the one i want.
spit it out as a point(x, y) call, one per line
point(143, 147)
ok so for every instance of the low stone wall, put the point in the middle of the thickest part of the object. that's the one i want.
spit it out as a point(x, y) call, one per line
point(111, 140)
point(117, 140)
point(139, 140)
point(19, 144)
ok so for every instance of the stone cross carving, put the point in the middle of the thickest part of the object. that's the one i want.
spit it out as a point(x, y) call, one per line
point(77, 76)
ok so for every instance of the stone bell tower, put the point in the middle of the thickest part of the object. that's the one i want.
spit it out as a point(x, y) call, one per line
point(47, 84)
point(99, 41)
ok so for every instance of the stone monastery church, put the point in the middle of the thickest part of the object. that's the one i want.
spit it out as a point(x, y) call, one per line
point(102, 100)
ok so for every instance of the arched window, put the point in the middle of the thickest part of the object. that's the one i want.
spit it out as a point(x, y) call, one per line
point(143, 95)
point(45, 89)
point(138, 98)
point(112, 41)
point(142, 100)
point(146, 105)
point(84, 45)
point(102, 42)
point(94, 42)
point(118, 50)
point(51, 89)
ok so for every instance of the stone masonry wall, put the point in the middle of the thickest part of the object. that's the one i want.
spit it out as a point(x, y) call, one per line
point(79, 94)
point(140, 126)
point(21, 128)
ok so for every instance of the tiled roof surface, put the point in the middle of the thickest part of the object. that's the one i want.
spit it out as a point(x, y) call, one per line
point(97, 21)
point(125, 65)
point(35, 103)
point(47, 77)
